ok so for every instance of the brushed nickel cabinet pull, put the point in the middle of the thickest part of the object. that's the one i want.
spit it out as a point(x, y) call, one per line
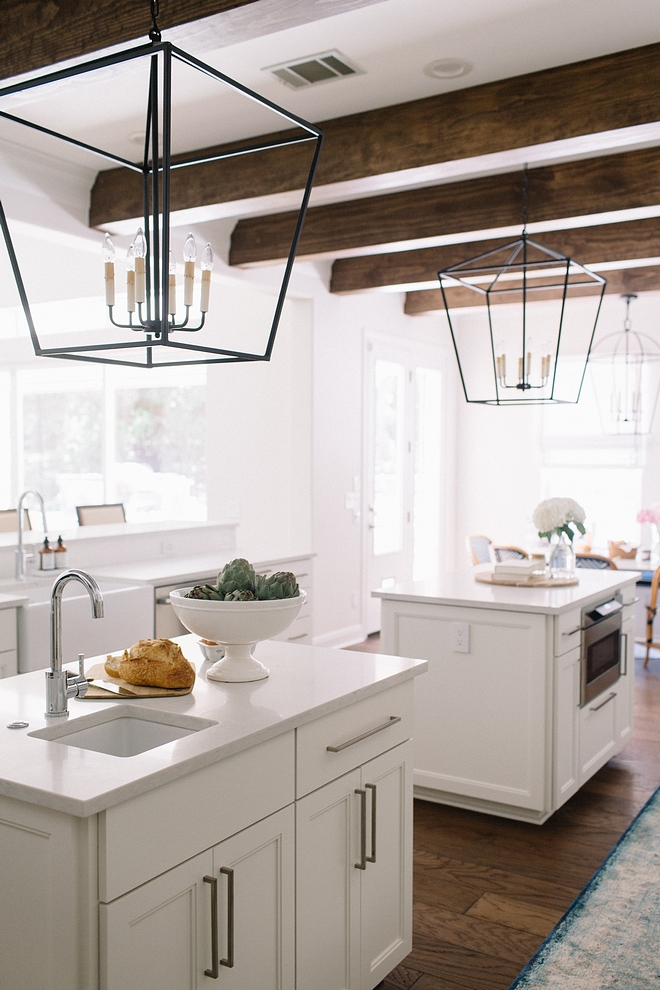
point(362, 865)
point(573, 631)
point(392, 720)
point(229, 959)
point(214, 971)
point(597, 708)
point(372, 788)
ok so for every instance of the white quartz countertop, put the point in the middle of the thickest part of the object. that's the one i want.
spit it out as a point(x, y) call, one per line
point(12, 601)
point(170, 570)
point(305, 682)
point(460, 588)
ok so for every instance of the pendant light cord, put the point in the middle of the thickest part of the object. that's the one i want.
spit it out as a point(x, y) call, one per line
point(525, 189)
point(154, 34)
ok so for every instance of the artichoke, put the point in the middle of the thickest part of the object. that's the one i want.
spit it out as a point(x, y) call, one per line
point(240, 595)
point(281, 584)
point(237, 575)
point(204, 592)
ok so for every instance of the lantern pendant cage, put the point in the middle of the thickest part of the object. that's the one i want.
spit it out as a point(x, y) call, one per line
point(509, 351)
point(148, 74)
point(625, 372)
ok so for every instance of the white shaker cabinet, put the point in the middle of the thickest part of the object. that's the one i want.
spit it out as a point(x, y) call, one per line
point(8, 643)
point(223, 918)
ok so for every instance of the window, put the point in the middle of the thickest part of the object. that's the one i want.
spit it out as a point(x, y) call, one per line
point(90, 435)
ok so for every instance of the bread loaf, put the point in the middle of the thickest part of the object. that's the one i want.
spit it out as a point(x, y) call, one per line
point(153, 663)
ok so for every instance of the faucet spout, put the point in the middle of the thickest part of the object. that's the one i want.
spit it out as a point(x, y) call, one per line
point(61, 685)
point(20, 553)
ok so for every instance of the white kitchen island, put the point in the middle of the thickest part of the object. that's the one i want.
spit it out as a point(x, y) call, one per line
point(292, 805)
point(498, 722)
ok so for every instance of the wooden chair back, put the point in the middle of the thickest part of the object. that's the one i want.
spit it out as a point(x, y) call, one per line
point(98, 515)
point(509, 553)
point(651, 609)
point(479, 549)
point(594, 562)
point(9, 520)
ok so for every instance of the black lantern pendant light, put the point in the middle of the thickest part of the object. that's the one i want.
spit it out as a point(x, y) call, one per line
point(510, 352)
point(625, 371)
point(149, 324)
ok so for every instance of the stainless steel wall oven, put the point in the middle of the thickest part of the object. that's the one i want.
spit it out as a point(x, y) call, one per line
point(602, 651)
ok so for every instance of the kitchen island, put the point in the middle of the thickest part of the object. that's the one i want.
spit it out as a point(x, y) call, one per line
point(500, 723)
point(269, 849)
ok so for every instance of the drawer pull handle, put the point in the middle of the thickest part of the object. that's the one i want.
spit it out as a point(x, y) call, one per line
point(229, 960)
point(597, 708)
point(392, 720)
point(372, 788)
point(362, 865)
point(214, 971)
point(163, 601)
point(291, 639)
point(573, 631)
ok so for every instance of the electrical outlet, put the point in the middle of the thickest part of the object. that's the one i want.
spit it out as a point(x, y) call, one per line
point(460, 637)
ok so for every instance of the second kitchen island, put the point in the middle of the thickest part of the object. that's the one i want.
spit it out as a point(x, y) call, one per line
point(501, 724)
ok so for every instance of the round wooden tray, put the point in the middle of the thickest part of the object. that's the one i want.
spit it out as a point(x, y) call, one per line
point(487, 577)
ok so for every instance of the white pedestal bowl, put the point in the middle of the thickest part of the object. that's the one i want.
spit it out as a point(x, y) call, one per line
point(238, 626)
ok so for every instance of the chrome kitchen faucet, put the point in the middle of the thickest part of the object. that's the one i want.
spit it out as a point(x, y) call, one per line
point(61, 684)
point(21, 555)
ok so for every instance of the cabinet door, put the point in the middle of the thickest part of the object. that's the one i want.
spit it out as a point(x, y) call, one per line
point(625, 684)
point(328, 886)
point(158, 937)
point(566, 721)
point(255, 873)
point(386, 895)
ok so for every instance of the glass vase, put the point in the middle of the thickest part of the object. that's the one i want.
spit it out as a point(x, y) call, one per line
point(561, 563)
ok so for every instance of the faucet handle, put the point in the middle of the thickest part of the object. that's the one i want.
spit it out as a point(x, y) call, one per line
point(81, 667)
point(77, 683)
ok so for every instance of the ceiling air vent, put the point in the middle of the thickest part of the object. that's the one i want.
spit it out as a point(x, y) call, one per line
point(314, 69)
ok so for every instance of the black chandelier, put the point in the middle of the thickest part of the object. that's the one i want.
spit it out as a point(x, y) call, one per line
point(511, 353)
point(625, 372)
point(155, 330)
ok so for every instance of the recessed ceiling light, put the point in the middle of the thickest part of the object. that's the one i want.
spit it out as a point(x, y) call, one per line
point(448, 68)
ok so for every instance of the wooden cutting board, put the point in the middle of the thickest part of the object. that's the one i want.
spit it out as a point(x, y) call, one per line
point(97, 676)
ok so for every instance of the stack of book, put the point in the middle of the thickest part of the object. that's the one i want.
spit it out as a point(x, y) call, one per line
point(520, 570)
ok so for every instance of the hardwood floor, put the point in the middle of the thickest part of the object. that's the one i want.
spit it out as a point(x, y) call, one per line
point(488, 890)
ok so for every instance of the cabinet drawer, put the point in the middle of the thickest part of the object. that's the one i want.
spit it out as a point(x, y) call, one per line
point(316, 765)
point(7, 629)
point(151, 833)
point(8, 663)
point(598, 739)
point(567, 631)
point(299, 632)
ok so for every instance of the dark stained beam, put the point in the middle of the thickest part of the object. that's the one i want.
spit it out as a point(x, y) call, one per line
point(609, 242)
point(377, 147)
point(621, 281)
point(42, 32)
point(414, 218)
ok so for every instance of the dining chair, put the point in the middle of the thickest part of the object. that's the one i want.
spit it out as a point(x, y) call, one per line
point(479, 549)
point(97, 515)
point(509, 553)
point(651, 609)
point(594, 562)
point(9, 520)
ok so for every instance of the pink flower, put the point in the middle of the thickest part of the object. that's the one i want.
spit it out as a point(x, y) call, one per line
point(651, 515)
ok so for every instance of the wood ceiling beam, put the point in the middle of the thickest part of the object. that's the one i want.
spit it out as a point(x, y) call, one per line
point(413, 142)
point(572, 192)
point(401, 270)
point(40, 33)
point(618, 282)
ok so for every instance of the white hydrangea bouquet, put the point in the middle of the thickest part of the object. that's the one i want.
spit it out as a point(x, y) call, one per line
point(557, 515)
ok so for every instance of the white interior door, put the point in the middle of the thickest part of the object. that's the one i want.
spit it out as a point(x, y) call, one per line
point(402, 432)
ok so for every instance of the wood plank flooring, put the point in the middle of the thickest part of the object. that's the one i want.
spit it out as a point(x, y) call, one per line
point(488, 890)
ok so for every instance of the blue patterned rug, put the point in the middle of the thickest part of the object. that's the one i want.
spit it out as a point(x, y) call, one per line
point(609, 939)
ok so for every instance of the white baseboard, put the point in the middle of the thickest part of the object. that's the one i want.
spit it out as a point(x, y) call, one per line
point(339, 638)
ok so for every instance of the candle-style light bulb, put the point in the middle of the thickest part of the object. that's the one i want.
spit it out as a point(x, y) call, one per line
point(130, 279)
point(140, 251)
point(207, 266)
point(172, 292)
point(189, 255)
point(108, 252)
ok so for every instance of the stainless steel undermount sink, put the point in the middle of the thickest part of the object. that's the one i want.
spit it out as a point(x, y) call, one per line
point(124, 730)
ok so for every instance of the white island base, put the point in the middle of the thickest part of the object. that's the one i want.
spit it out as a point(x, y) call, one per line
point(498, 722)
point(271, 850)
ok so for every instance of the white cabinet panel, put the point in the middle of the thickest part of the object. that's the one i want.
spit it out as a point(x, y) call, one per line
point(158, 937)
point(259, 939)
point(566, 724)
point(8, 638)
point(8, 663)
point(598, 740)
